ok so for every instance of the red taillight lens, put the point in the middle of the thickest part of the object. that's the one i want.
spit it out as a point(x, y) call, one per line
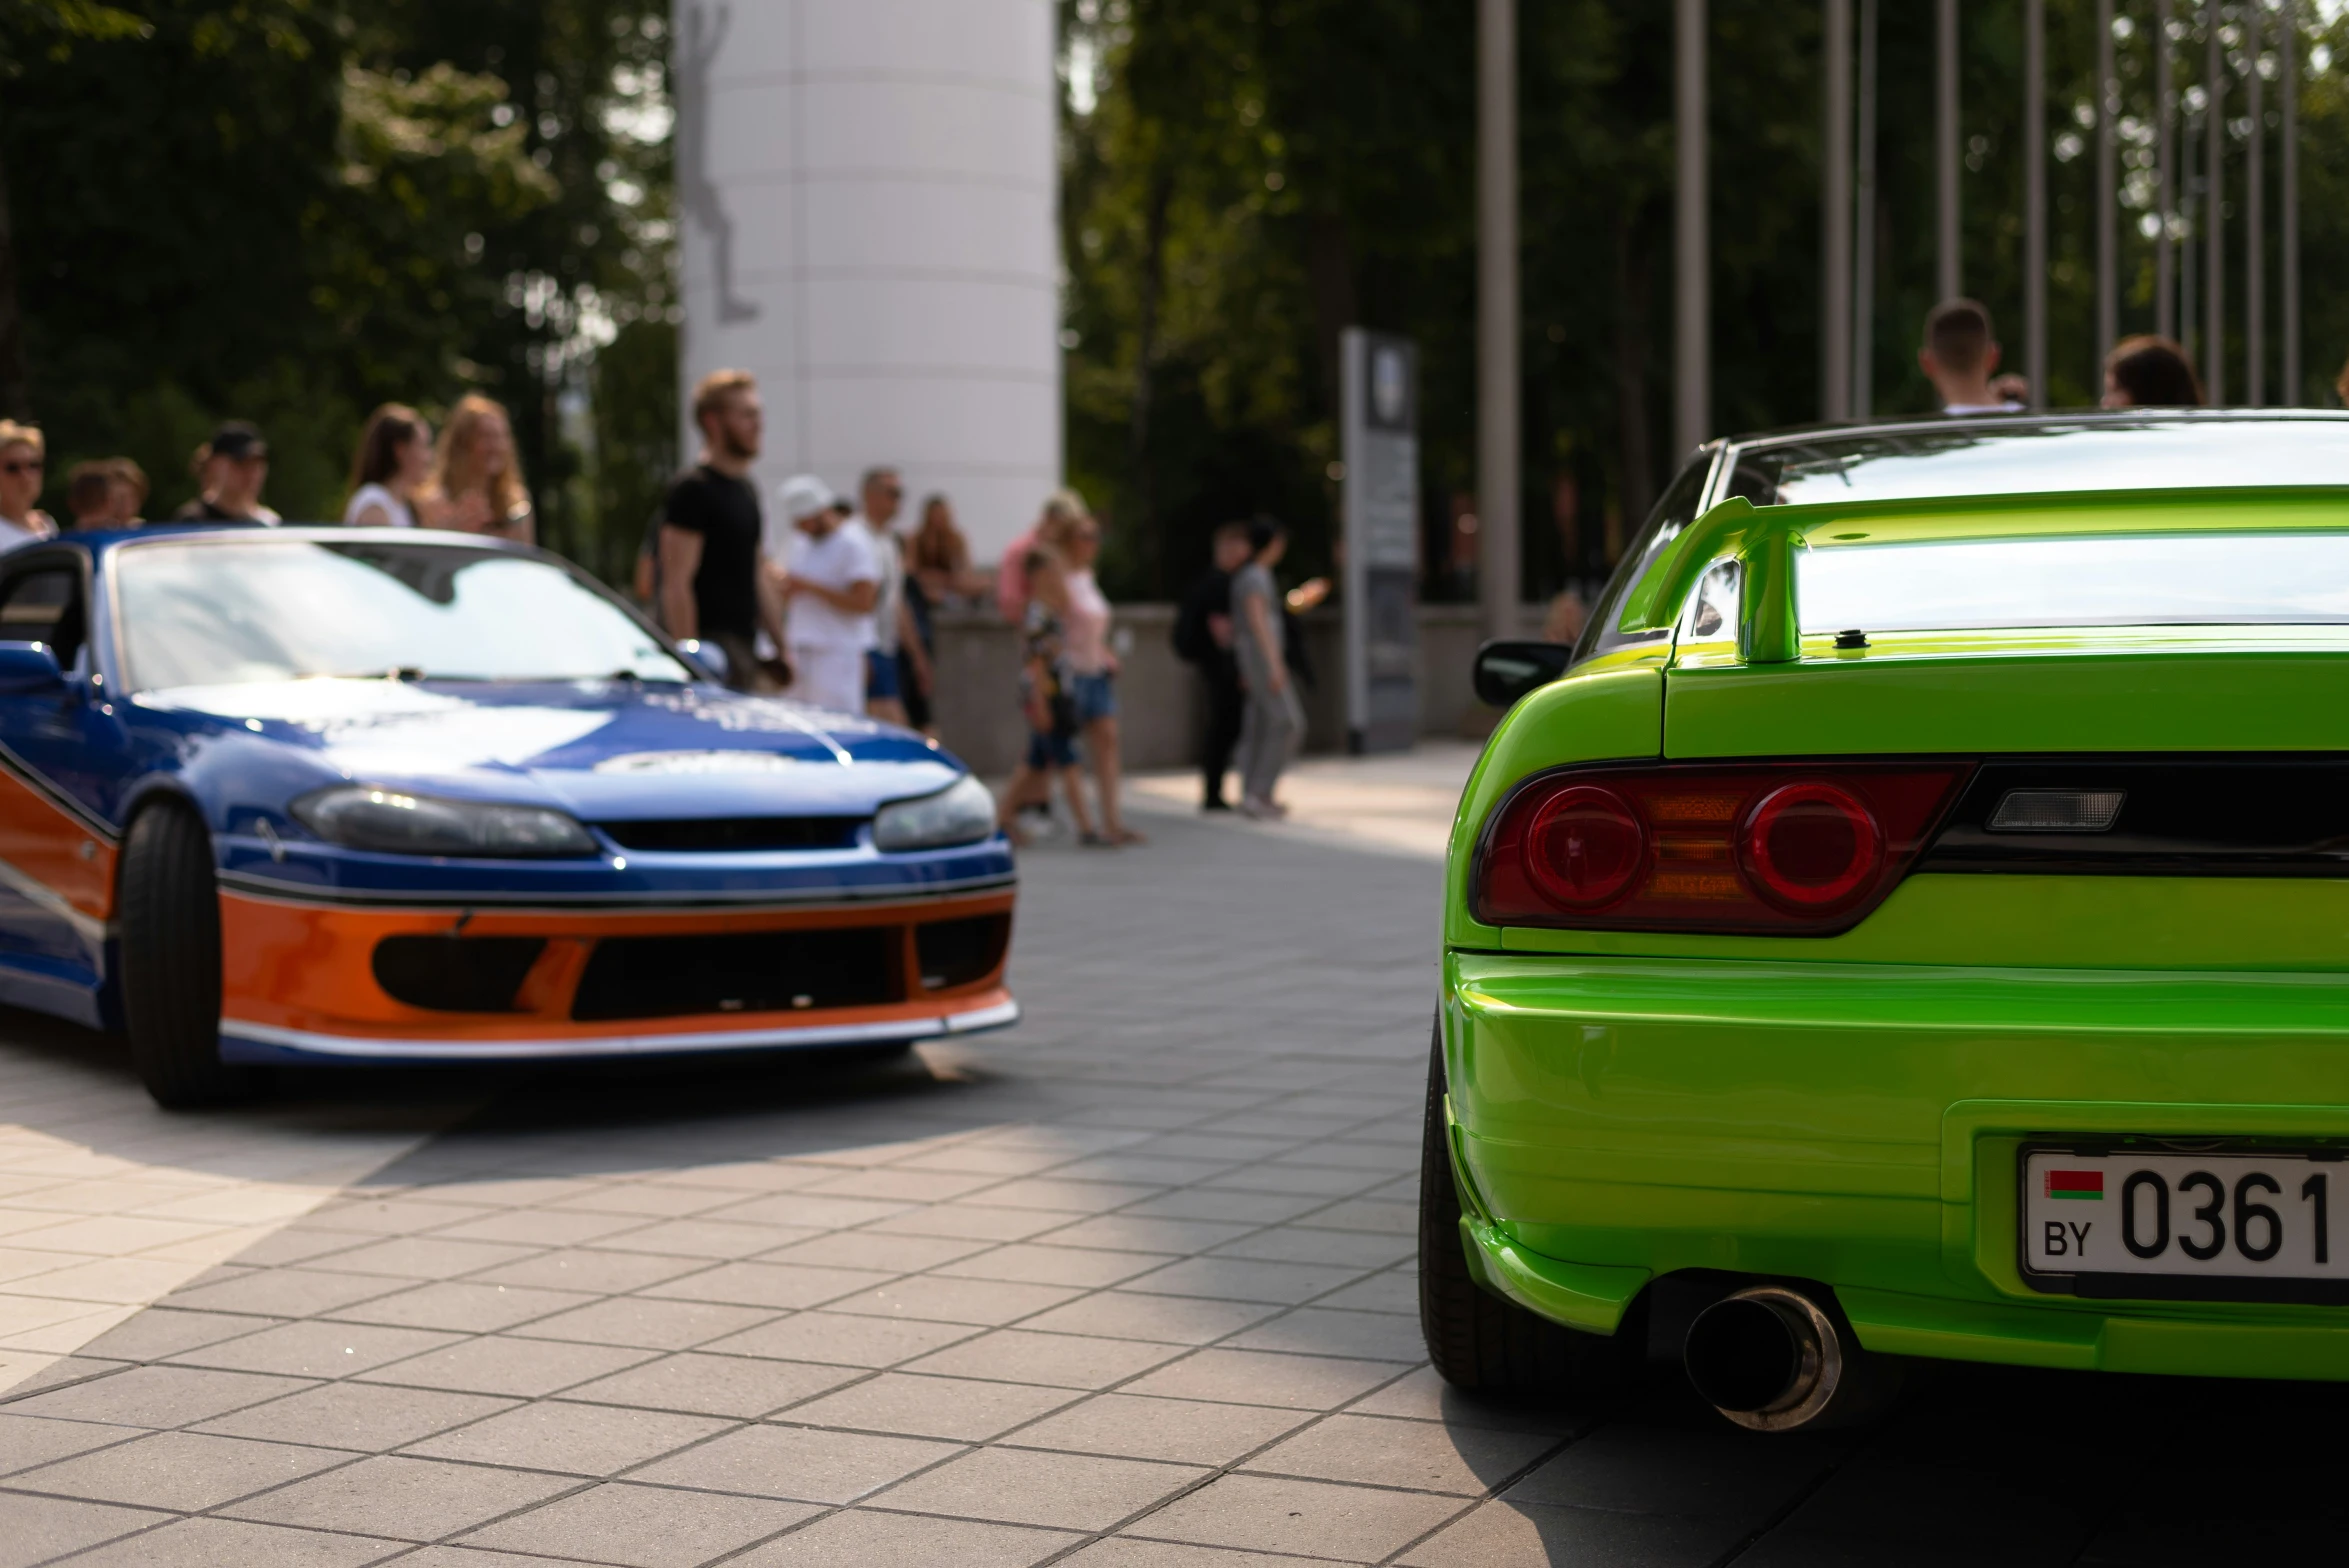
point(1809, 847)
point(1791, 849)
point(1584, 847)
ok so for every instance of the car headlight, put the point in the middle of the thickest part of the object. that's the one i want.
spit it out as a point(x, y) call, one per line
point(961, 813)
point(401, 824)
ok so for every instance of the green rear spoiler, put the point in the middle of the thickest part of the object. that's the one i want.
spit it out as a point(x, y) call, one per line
point(1763, 541)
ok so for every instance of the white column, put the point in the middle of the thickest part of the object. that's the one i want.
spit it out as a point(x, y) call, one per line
point(1863, 287)
point(1499, 390)
point(2108, 103)
point(2255, 217)
point(868, 202)
point(2289, 132)
point(2165, 108)
point(2214, 209)
point(1692, 330)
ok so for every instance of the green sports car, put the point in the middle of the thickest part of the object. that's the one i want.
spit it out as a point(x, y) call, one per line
point(1914, 922)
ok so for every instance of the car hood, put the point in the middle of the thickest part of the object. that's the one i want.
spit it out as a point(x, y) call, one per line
point(602, 750)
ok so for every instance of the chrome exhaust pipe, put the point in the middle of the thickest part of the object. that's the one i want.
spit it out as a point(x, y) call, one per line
point(1773, 1359)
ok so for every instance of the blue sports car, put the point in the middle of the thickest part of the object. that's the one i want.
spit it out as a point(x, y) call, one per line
point(339, 795)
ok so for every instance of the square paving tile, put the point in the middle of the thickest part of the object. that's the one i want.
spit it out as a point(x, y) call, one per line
point(1061, 1360)
point(1376, 1336)
point(315, 1349)
point(588, 1270)
point(463, 1306)
point(796, 1462)
point(769, 1284)
point(163, 1331)
point(1245, 1279)
point(41, 1528)
point(498, 1365)
point(1662, 1470)
point(1124, 1551)
point(406, 1499)
point(211, 1543)
point(284, 1292)
point(936, 1298)
point(1179, 1430)
point(645, 1323)
point(1253, 1377)
point(1050, 1490)
point(963, 1409)
point(179, 1470)
point(1504, 1535)
point(1031, 1264)
point(427, 1257)
point(863, 1538)
point(368, 1417)
point(874, 1252)
point(156, 1396)
point(702, 1238)
point(1420, 1455)
point(739, 1386)
point(583, 1439)
point(26, 1441)
point(642, 1526)
point(1307, 1518)
point(1175, 1320)
point(842, 1339)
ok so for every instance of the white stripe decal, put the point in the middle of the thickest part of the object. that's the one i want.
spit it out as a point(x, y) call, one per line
point(359, 1047)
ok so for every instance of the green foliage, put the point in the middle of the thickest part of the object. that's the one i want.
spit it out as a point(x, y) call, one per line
point(291, 210)
point(1288, 167)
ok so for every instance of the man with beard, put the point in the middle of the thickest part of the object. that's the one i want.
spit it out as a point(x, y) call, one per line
point(713, 578)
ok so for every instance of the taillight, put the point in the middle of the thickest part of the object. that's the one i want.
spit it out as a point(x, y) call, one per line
point(1791, 849)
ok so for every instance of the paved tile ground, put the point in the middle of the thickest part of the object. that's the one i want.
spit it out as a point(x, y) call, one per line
point(1129, 1287)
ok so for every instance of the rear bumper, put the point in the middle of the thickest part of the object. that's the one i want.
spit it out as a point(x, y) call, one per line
point(1615, 1120)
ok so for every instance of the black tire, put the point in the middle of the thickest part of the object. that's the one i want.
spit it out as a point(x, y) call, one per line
point(171, 962)
point(1479, 1342)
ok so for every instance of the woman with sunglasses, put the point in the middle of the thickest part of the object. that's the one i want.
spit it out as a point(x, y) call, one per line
point(22, 454)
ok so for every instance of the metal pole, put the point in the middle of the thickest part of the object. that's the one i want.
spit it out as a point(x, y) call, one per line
point(2165, 245)
point(1948, 273)
point(2214, 226)
point(1692, 392)
point(1835, 218)
point(1499, 403)
point(2255, 218)
point(2290, 133)
point(2108, 96)
point(2035, 199)
point(1863, 289)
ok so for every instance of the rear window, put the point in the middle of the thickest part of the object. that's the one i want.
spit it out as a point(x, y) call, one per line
point(1993, 457)
point(2159, 580)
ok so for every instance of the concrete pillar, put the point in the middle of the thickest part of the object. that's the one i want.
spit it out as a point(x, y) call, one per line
point(2035, 199)
point(1692, 315)
point(1835, 213)
point(2214, 209)
point(2288, 81)
point(869, 213)
point(1949, 267)
point(2108, 105)
point(2165, 108)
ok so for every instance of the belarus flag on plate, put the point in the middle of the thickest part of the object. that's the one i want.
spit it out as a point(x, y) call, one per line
point(2075, 1184)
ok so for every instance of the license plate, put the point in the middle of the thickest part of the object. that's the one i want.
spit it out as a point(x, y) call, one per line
point(2235, 1223)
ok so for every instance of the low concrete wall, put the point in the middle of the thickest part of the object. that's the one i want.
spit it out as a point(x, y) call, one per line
point(976, 693)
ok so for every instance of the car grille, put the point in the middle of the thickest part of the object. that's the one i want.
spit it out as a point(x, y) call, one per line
point(446, 974)
point(753, 972)
point(958, 952)
point(736, 835)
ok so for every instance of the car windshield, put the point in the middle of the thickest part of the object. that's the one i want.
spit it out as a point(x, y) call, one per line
point(2148, 580)
point(1989, 457)
point(218, 612)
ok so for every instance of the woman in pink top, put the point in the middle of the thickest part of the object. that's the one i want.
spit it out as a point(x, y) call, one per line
point(1066, 587)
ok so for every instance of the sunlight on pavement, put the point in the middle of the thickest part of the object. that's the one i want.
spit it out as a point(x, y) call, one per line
point(108, 1204)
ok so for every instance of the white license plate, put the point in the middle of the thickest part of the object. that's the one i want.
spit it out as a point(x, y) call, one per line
point(2242, 1223)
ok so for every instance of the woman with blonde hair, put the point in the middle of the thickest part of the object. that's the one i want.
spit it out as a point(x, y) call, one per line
point(23, 456)
point(393, 464)
point(477, 479)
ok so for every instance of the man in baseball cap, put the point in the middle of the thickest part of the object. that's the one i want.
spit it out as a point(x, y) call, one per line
point(831, 581)
point(230, 470)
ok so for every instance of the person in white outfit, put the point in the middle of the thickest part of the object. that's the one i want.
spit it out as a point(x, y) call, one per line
point(394, 461)
point(831, 582)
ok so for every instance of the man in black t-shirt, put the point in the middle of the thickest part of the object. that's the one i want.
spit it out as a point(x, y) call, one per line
point(713, 578)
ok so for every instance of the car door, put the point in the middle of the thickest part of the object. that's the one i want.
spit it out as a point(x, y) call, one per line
point(62, 756)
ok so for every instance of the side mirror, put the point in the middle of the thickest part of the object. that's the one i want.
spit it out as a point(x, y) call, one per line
point(28, 669)
point(709, 658)
point(1506, 671)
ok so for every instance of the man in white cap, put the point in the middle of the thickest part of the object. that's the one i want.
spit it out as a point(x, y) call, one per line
point(831, 581)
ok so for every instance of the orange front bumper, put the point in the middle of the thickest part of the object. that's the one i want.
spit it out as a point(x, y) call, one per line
point(300, 980)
